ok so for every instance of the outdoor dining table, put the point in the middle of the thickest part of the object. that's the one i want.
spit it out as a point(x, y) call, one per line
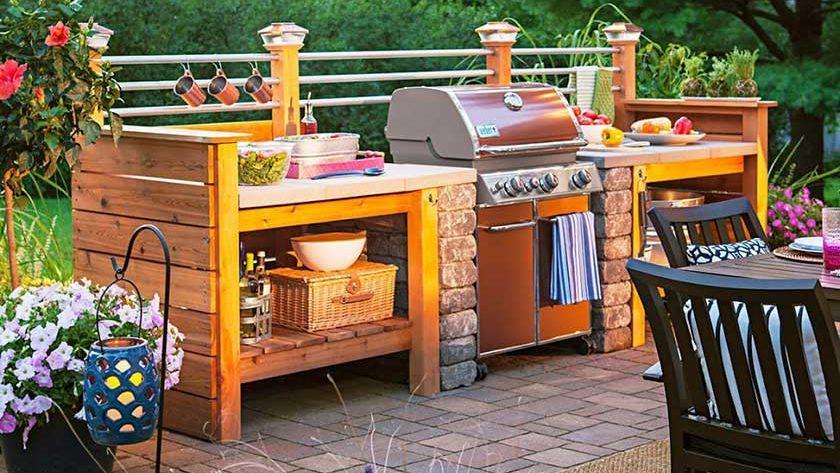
point(769, 266)
point(766, 266)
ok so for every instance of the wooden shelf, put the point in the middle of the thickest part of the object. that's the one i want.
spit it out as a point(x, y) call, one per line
point(289, 351)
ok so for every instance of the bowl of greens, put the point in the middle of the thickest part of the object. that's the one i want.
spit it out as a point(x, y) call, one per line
point(263, 163)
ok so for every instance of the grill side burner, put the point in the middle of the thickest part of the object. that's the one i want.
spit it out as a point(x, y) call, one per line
point(521, 139)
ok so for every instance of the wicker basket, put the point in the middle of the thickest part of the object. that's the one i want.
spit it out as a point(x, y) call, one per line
point(319, 300)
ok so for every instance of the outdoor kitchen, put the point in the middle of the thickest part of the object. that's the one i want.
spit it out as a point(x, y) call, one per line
point(493, 223)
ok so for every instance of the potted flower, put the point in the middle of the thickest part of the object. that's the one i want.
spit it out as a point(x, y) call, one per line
point(46, 330)
point(792, 214)
point(51, 98)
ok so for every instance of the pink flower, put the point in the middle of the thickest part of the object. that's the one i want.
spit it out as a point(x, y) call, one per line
point(780, 205)
point(811, 223)
point(777, 223)
point(59, 35)
point(788, 193)
point(771, 213)
point(798, 210)
point(793, 221)
point(7, 423)
point(11, 75)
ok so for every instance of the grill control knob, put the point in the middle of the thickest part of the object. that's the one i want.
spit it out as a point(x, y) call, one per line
point(581, 179)
point(514, 186)
point(532, 183)
point(549, 182)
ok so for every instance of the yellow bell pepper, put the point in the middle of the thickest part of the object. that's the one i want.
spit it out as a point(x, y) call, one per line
point(612, 136)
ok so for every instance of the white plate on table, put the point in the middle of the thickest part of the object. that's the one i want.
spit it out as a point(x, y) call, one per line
point(808, 245)
point(667, 139)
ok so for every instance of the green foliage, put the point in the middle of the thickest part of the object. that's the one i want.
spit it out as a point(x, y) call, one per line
point(743, 62)
point(722, 78)
point(660, 71)
point(43, 227)
point(35, 132)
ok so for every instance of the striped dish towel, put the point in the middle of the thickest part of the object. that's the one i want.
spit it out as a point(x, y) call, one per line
point(574, 264)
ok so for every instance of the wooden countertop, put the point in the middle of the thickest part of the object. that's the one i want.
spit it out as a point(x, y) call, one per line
point(668, 154)
point(397, 178)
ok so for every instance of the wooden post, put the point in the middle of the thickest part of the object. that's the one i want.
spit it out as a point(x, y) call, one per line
point(97, 43)
point(754, 180)
point(225, 195)
point(423, 292)
point(283, 41)
point(500, 37)
point(624, 37)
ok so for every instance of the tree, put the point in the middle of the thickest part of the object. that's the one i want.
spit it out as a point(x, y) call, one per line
point(792, 32)
point(50, 97)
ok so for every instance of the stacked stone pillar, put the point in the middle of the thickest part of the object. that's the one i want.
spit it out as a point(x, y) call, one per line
point(613, 209)
point(458, 275)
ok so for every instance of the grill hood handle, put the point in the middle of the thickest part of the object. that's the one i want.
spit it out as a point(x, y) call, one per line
point(566, 145)
point(504, 150)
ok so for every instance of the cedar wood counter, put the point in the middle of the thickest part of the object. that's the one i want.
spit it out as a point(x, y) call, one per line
point(731, 158)
point(185, 181)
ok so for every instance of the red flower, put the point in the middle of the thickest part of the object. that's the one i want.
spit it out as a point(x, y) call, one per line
point(39, 94)
point(59, 35)
point(11, 75)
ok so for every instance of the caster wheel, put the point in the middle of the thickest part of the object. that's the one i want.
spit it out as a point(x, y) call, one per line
point(584, 346)
point(482, 371)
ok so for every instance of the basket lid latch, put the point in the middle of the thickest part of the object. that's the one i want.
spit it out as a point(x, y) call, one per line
point(354, 284)
point(353, 294)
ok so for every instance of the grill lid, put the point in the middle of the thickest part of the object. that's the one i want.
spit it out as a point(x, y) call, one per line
point(477, 122)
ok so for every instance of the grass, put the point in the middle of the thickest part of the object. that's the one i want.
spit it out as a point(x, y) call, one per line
point(43, 229)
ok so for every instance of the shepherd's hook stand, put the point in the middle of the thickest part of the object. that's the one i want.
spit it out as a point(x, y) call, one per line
point(120, 276)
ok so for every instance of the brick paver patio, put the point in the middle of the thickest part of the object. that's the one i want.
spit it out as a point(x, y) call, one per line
point(541, 410)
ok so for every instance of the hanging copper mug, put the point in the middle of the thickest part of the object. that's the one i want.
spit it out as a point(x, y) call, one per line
point(188, 90)
point(256, 87)
point(221, 88)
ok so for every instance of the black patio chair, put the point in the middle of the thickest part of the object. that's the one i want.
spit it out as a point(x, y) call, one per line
point(779, 426)
point(723, 222)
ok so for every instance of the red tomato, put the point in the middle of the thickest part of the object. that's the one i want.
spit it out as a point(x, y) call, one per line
point(598, 121)
point(604, 119)
point(576, 110)
point(590, 114)
point(584, 120)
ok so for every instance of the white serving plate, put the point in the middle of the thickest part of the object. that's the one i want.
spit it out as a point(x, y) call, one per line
point(667, 139)
point(808, 244)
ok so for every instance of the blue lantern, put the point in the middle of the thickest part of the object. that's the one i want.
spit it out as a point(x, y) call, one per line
point(121, 405)
point(124, 391)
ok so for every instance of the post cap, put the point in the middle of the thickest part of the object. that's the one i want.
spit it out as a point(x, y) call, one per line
point(622, 31)
point(497, 32)
point(282, 33)
point(100, 37)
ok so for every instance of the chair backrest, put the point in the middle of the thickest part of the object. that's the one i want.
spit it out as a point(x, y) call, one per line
point(718, 223)
point(736, 359)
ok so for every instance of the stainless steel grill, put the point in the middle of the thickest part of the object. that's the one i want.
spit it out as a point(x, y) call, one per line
point(521, 140)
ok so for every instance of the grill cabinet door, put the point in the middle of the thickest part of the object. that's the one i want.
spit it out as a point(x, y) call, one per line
point(506, 289)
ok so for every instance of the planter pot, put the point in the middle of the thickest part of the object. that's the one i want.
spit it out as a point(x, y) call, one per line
point(52, 448)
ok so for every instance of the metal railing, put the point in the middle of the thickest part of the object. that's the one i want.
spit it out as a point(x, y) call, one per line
point(130, 112)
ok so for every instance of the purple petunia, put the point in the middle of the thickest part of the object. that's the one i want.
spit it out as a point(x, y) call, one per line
point(8, 423)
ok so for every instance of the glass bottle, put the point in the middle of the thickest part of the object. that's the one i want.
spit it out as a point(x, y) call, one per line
point(308, 124)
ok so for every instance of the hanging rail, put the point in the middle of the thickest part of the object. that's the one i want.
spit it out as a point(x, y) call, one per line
point(342, 55)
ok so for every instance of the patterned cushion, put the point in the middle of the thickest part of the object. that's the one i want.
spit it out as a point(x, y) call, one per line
point(702, 254)
point(812, 359)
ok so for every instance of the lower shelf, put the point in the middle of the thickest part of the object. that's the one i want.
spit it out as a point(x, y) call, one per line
point(290, 351)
